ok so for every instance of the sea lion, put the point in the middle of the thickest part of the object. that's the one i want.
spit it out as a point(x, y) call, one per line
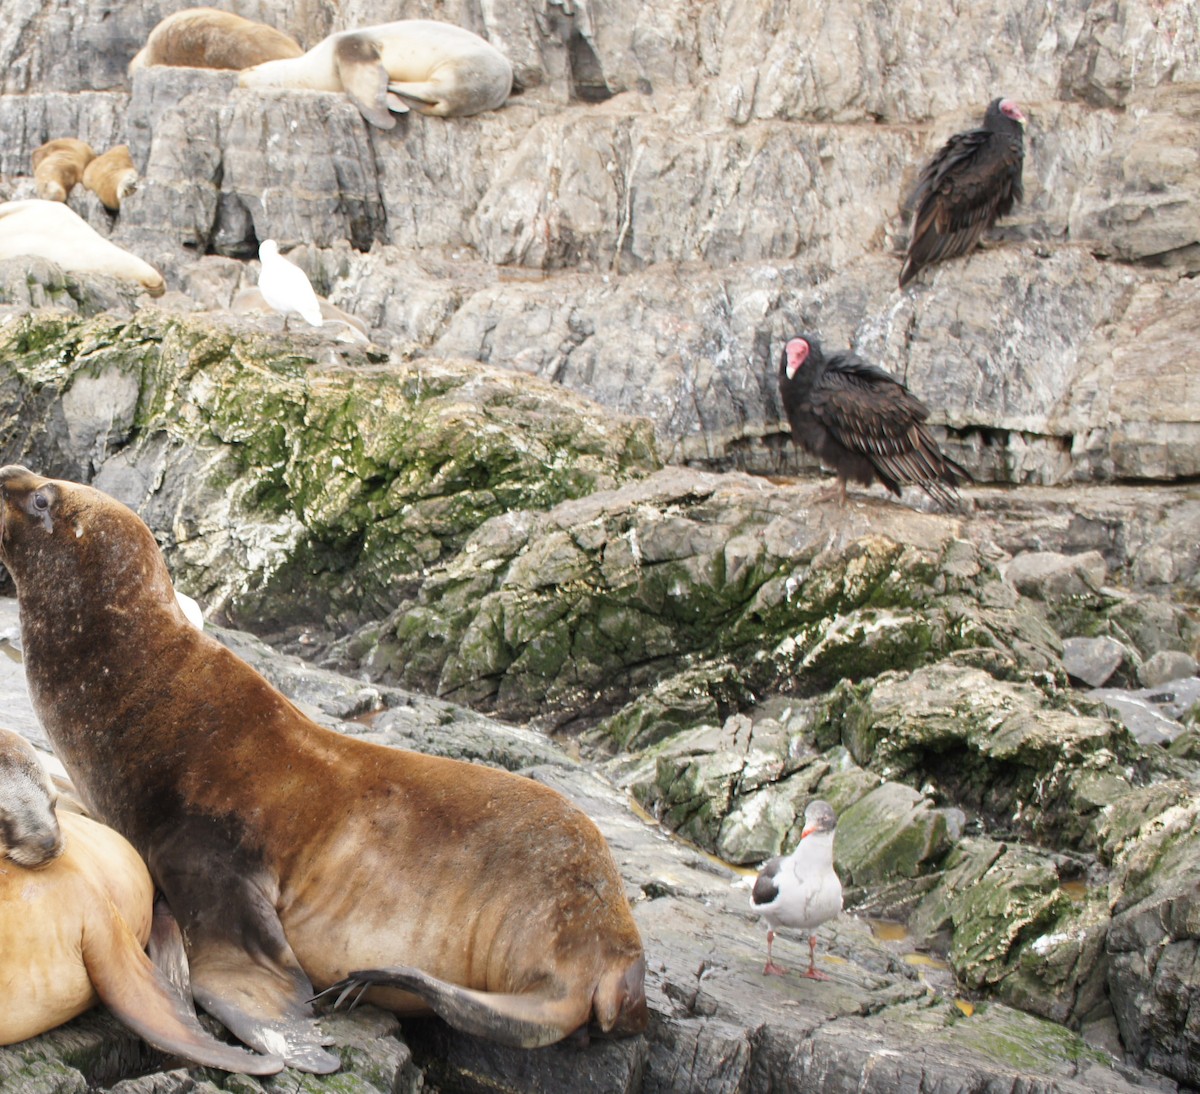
point(58, 165)
point(50, 230)
point(76, 905)
point(29, 830)
point(436, 68)
point(293, 856)
point(207, 38)
point(112, 177)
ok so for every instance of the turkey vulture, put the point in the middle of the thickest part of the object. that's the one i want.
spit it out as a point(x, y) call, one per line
point(862, 422)
point(801, 889)
point(974, 178)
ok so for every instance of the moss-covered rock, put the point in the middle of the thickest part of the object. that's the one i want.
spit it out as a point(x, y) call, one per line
point(892, 832)
point(1005, 750)
point(1154, 941)
point(566, 616)
point(301, 491)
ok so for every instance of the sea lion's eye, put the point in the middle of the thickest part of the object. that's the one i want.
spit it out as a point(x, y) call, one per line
point(40, 502)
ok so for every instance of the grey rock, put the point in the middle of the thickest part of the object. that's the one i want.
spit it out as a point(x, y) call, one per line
point(1151, 944)
point(1154, 715)
point(891, 832)
point(1093, 660)
point(1048, 575)
point(1166, 666)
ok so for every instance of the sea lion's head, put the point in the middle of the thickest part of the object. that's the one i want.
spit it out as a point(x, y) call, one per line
point(29, 832)
point(27, 507)
point(75, 545)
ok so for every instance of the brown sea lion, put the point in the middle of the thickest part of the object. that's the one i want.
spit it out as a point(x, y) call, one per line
point(51, 230)
point(58, 166)
point(112, 177)
point(293, 856)
point(75, 913)
point(420, 64)
point(208, 38)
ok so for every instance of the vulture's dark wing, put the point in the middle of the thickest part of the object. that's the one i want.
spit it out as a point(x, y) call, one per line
point(973, 179)
point(871, 412)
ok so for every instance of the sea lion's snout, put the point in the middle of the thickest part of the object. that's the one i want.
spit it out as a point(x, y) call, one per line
point(35, 846)
point(29, 830)
point(11, 472)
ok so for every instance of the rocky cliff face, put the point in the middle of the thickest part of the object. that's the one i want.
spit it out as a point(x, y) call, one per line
point(674, 190)
point(566, 295)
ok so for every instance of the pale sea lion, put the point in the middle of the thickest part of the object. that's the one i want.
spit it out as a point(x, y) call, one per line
point(76, 906)
point(436, 68)
point(59, 165)
point(51, 230)
point(294, 856)
point(207, 38)
point(29, 829)
point(112, 177)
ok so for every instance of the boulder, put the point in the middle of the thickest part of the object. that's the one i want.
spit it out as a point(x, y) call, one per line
point(1093, 661)
point(1166, 666)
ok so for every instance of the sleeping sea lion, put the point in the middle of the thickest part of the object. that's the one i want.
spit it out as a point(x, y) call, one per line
point(207, 38)
point(295, 857)
point(51, 230)
point(75, 913)
point(58, 165)
point(436, 68)
point(112, 177)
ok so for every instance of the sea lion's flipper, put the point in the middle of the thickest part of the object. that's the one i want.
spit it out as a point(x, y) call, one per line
point(396, 104)
point(166, 951)
point(359, 64)
point(523, 1020)
point(261, 1001)
point(144, 1000)
point(244, 973)
point(418, 94)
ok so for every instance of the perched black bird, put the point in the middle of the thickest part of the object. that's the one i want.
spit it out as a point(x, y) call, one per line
point(862, 422)
point(974, 178)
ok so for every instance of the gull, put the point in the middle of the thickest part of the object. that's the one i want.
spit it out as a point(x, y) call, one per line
point(285, 287)
point(801, 889)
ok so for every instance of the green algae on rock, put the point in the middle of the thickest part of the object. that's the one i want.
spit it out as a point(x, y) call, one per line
point(360, 474)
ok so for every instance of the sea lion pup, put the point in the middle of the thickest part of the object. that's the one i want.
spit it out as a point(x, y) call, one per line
point(51, 230)
point(75, 913)
point(58, 165)
point(207, 38)
point(294, 856)
point(436, 68)
point(112, 177)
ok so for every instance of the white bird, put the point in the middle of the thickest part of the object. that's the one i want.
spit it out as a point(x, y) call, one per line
point(802, 889)
point(285, 287)
point(191, 610)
